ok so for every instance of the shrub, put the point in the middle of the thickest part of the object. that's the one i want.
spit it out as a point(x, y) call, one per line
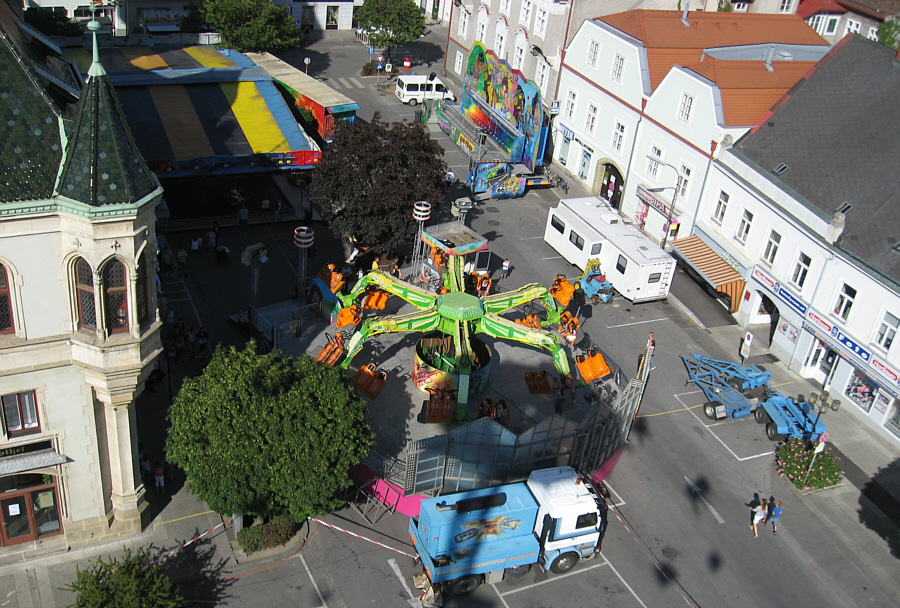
point(271, 534)
point(793, 458)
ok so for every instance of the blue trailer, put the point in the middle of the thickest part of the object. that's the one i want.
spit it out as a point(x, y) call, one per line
point(733, 390)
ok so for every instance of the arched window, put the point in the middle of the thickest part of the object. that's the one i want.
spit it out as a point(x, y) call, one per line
point(6, 316)
point(115, 296)
point(84, 292)
point(140, 296)
point(500, 38)
point(481, 30)
point(520, 49)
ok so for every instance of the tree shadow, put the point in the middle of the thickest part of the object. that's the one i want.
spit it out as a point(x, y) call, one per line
point(879, 510)
point(319, 62)
point(197, 572)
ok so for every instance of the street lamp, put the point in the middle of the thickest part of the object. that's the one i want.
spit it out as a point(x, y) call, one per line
point(306, 63)
point(659, 161)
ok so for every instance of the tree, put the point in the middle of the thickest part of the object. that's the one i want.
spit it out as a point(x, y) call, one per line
point(371, 175)
point(252, 25)
point(130, 583)
point(390, 23)
point(52, 23)
point(889, 32)
point(267, 435)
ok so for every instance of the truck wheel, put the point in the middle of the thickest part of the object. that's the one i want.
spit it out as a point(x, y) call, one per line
point(760, 414)
point(413, 101)
point(709, 409)
point(772, 432)
point(465, 585)
point(517, 572)
point(564, 563)
point(595, 299)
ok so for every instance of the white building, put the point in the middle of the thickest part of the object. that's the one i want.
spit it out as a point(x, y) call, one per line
point(834, 19)
point(810, 203)
point(672, 86)
point(79, 326)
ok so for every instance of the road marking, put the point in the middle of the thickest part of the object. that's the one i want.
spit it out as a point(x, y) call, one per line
point(708, 427)
point(162, 523)
point(637, 323)
point(627, 586)
point(412, 599)
point(357, 83)
point(344, 83)
point(499, 595)
point(555, 257)
point(556, 577)
point(695, 489)
point(313, 581)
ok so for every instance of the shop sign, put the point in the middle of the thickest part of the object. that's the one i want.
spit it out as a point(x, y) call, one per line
point(819, 321)
point(651, 200)
point(852, 346)
point(882, 368)
point(566, 131)
point(18, 450)
point(776, 288)
point(586, 147)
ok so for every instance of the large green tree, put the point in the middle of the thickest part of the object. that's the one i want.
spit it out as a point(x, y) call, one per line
point(252, 25)
point(390, 23)
point(370, 177)
point(266, 434)
point(130, 583)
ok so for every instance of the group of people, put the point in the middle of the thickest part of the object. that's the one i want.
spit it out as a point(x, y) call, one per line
point(489, 409)
point(765, 512)
point(189, 341)
point(154, 475)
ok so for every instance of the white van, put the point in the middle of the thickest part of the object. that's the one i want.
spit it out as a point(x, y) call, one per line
point(585, 229)
point(415, 88)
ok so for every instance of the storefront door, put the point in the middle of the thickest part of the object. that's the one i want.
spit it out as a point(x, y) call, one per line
point(821, 364)
point(16, 525)
point(28, 514)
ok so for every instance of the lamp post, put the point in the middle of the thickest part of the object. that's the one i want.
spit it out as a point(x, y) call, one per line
point(303, 239)
point(656, 159)
point(306, 64)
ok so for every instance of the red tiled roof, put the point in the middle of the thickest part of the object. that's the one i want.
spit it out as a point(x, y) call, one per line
point(811, 7)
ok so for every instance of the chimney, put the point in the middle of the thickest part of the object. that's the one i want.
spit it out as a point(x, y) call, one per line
point(684, 14)
point(835, 228)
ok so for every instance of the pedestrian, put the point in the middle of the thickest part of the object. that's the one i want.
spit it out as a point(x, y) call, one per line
point(243, 217)
point(195, 243)
point(211, 240)
point(504, 270)
point(397, 272)
point(180, 334)
point(192, 342)
point(159, 475)
point(202, 342)
point(651, 343)
point(775, 518)
point(182, 262)
point(759, 514)
point(146, 470)
point(277, 214)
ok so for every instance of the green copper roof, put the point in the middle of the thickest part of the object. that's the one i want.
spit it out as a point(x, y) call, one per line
point(460, 306)
point(30, 136)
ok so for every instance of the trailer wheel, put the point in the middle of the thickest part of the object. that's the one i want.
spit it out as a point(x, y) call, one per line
point(564, 563)
point(710, 410)
point(595, 299)
point(772, 432)
point(577, 285)
point(465, 585)
point(761, 416)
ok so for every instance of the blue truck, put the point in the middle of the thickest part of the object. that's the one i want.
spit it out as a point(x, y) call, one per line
point(555, 519)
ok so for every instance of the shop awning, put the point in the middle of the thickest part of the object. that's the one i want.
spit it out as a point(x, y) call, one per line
point(712, 267)
point(28, 462)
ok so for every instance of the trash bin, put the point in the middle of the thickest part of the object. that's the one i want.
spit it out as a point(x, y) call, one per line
point(578, 298)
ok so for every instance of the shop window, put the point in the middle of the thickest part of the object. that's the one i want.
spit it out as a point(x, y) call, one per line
point(20, 414)
point(844, 302)
point(6, 316)
point(861, 390)
point(564, 151)
point(115, 296)
point(887, 331)
point(84, 288)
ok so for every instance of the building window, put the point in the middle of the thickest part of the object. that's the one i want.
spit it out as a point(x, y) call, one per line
point(684, 180)
point(481, 25)
point(500, 40)
point(844, 302)
point(743, 230)
point(718, 215)
point(593, 53)
point(84, 288)
point(20, 416)
point(6, 316)
point(785, 6)
point(815, 22)
point(541, 76)
point(684, 108)
point(518, 54)
point(801, 269)
point(739, 7)
point(115, 296)
point(887, 331)
point(525, 14)
point(618, 137)
point(852, 27)
point(141, 290)
point(831, 25)
point(590, 120)
point(652, 169)
point(771, 249)
point(617, 68)
point(571, 98)
point(540, 22)
point(462, 28)
point(873, 34)
point(504, 6)
point(458, 62)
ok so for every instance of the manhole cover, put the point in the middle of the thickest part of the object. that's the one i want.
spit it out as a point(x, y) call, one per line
point(493, 223)
point(492, 210)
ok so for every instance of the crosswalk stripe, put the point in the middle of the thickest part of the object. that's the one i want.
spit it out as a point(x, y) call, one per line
point(358, 84)
point(344, 83)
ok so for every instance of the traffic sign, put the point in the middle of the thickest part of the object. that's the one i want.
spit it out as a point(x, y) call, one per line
point(379, 66)
point(380, 58)
point(371, 50)
point(823, 437)
point(389, 67)
point(745, 345)
point(819, 448)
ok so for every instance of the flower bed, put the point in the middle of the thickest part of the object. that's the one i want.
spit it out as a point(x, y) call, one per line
point(268, 535)
point(793, 458)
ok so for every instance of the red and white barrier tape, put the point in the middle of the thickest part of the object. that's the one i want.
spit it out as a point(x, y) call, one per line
point(169, 554)
point(374, 542)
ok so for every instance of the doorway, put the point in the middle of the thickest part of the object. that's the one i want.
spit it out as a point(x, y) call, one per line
point(821, 363)
point(331, 17)
point(611, 185)
point(28, 514)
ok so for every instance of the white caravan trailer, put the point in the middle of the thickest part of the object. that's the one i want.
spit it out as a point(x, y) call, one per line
point(583, 229)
